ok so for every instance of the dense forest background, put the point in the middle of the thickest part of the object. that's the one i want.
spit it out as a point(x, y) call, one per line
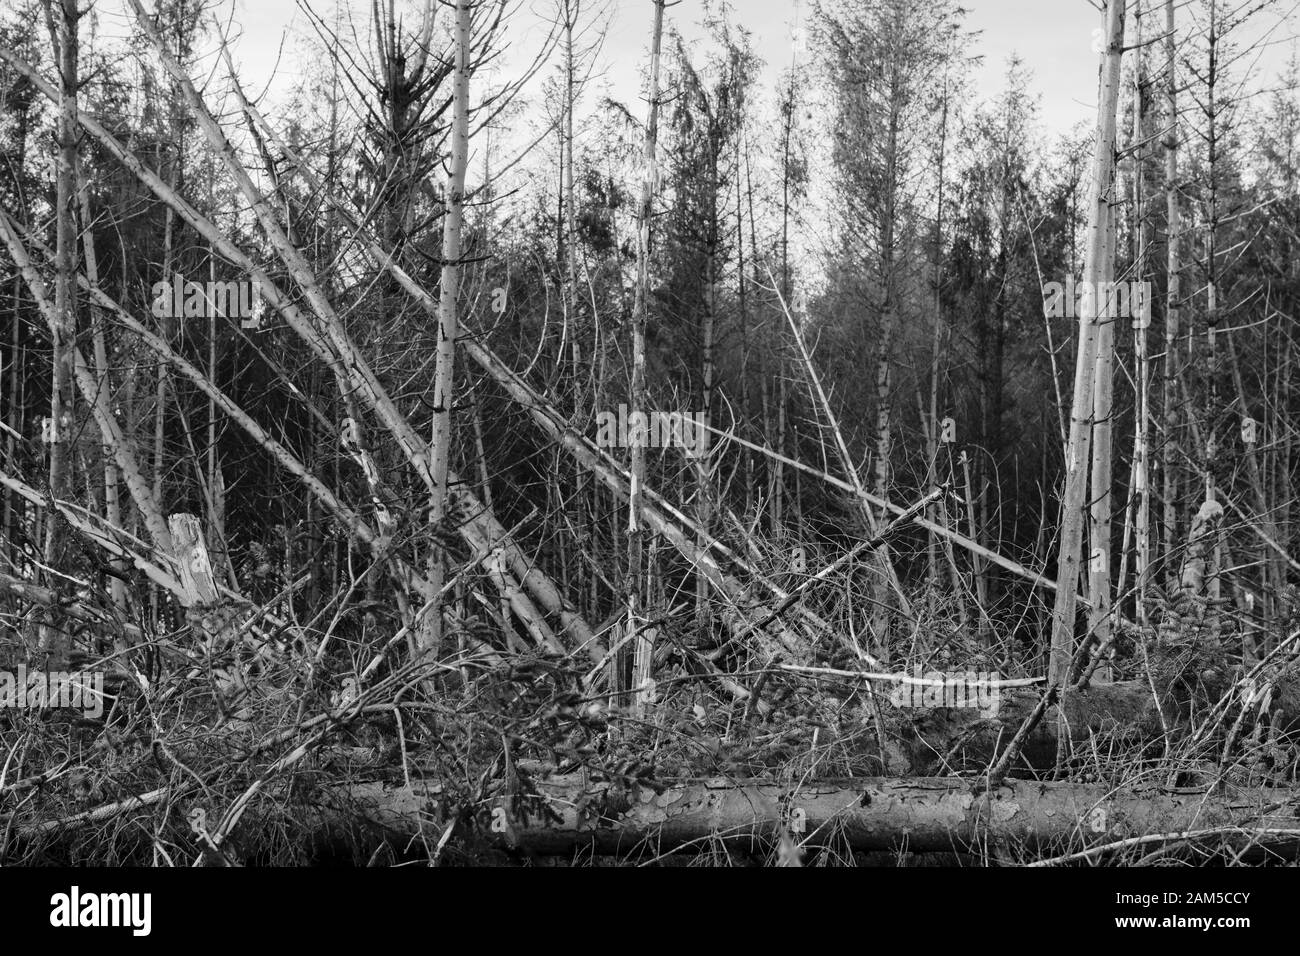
point(364, 541)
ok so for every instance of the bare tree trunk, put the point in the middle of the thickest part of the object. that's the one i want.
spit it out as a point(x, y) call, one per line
point(635, 585)
point(448, 325)
point(1272, 574)
point(15, 424)
point(16, 386)
point(63, 329)
point(1211, 445)
point(788, 110)
point(571, 12)
point(882, 598)
point(1077, 459)
point(703, 483)
point(1169, 457)
point(871, 813)
point(1100, 510)
point(103, 383)
point(884, 350)
point(746, 409)
point(932, 426)
point(1141, 482)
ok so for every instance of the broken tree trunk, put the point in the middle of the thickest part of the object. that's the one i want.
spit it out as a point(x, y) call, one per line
point(190, 551)
point(634, 586)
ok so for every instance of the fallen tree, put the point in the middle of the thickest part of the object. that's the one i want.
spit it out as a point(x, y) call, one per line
point(920, 814)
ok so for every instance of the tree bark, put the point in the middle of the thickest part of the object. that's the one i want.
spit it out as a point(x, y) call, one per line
point(448, 320)
point(63, 328)
point(937, 814)
point(635, 586)
point(1173, 228)
point(1081, 421)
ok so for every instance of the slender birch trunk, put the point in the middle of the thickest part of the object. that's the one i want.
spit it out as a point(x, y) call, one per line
point(448, 325)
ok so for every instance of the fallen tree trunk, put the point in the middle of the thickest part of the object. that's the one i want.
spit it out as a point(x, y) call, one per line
point(919, 814)
point(1019, 821)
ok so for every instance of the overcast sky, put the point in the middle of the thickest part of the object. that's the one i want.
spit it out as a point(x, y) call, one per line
point(1052, 36)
